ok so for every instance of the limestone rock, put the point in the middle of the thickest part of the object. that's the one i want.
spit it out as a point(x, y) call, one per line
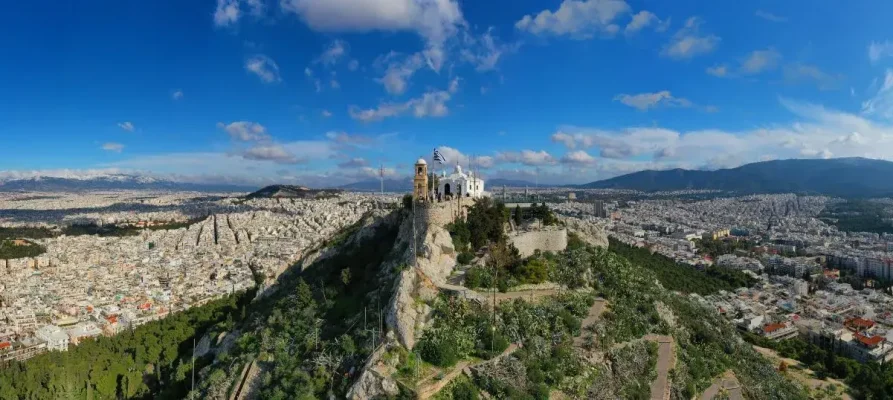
point(372, 385)
point(588, 231)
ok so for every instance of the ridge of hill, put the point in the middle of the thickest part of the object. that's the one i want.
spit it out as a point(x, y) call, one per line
point(843, 177)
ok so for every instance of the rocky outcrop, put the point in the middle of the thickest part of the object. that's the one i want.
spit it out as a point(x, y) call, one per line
point(589, 231)
point(420, 276)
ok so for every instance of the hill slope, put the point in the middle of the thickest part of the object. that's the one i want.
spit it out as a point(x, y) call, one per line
point(112, 182)
point(836, 177)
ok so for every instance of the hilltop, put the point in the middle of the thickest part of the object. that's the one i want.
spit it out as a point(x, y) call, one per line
point(292, 192)
point(844, 177)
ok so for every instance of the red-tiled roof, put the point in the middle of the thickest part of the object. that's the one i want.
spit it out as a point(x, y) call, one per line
point(4, 345)
point(870, 341)
point(859, 323)
point(769, 328)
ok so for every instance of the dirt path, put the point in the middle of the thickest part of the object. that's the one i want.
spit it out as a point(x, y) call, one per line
point(595, 312)
point(431, 385)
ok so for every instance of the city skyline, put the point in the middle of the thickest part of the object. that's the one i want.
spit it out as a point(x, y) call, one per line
point(324, 92)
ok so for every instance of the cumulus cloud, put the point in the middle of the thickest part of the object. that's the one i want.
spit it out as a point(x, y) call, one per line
point(644, 19)
point(177, 94)
point(264, 67)
point(245, 131)
point(770, 16)
point(431, 104)
point(526, 157)
point(326, 113)
point(346, 138)
point(645, 101)
point(576, 19)
point(270, 152)
point(484, 52)
point(113, 147)
point(127, 126)
point(689, 42)
point(578, 157)
point(227, 12)
point(435, 21)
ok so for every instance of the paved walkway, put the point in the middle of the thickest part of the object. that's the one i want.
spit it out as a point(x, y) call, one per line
point(728, 382)
point(666, 360)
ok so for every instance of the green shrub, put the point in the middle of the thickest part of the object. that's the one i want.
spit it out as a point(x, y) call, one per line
point(464, 390)
point(465, 258)
point(441, 354)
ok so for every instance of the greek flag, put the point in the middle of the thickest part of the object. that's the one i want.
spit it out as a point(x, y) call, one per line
point(439, 157)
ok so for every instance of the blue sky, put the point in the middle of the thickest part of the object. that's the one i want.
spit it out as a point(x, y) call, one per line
point(322, 92)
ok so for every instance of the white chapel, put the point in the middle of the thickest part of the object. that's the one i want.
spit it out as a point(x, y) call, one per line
point(460, 184)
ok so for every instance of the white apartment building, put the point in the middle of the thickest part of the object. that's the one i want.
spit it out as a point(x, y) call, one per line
point(56, 338)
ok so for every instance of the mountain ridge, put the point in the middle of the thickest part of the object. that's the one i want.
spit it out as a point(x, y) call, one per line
point(846, 177)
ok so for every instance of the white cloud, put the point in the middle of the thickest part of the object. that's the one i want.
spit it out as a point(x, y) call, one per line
point(227, 13)
point(431, 104)
point(398, 73)
point(353, 65)
point(760, 60)
point(454, 85)
point(264, 67)
point(797, 73)
point(642, 20)
point(346, 138)
point(578, 157)
point(769, 16)
point(354, 163)
point(177, 94)
point(334, 52)
point(718, 70)
point(689, 42)
point(127, 126)
point(645, 101)
point(576, 19)
point(878, 50)
point(434, 20)
point(881, 104)
point(526, 157)
point(485, 52)
point(270, 152)
point(326, 113)
point(245, 131)
point(114, 147)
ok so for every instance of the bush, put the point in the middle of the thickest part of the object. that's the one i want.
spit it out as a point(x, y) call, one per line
point(463, 389)
point(535, 270)
point(497, 341)
point(465, 258)
point(442, 354)
point(407, 201)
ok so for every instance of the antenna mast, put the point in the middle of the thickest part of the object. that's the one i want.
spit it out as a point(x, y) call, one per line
point(381, 176)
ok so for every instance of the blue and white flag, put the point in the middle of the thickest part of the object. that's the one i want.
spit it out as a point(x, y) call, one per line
point(439, 157)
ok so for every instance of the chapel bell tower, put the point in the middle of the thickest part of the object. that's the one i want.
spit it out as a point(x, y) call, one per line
point(420, 181)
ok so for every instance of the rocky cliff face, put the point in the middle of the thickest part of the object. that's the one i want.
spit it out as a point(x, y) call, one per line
point(420, 275)
point(589, 231)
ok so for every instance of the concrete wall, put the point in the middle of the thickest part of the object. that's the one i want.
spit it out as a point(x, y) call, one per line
point(543, 240)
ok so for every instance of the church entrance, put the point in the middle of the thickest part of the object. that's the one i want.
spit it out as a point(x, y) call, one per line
point(446, 189)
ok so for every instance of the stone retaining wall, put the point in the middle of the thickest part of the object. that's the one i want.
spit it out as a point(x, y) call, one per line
point(544, 240)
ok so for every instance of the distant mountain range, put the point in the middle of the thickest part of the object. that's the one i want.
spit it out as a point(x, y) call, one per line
point(111, 182)
point(844, 177)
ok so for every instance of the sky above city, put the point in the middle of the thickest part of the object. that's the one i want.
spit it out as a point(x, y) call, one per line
point(325, 92)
